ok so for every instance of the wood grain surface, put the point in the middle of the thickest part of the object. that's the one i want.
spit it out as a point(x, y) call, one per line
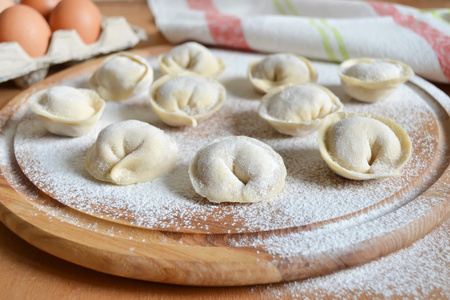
point(37, 275)
point(214, 258)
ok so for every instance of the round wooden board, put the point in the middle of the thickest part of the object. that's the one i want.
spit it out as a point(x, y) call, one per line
point(217, 258)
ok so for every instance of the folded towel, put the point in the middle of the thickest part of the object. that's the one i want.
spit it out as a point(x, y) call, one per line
point(332, 30)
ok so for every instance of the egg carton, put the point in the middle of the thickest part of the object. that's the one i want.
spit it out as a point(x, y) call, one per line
point(65, 45)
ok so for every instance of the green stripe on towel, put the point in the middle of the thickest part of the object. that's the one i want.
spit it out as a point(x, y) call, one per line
point(339, 39)
point(322, 32)
point(325, 40)
point(291, 7)
point(279, 7)
point(437, 13)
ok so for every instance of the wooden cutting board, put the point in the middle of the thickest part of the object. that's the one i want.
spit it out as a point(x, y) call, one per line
point(219, 252)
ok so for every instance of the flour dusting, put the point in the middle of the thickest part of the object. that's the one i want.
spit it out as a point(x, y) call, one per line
point(312, 193)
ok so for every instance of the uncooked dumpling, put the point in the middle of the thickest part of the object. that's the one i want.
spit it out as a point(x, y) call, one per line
point(66, 110)
point(280, 69)
point(363, 146)
point(299, 109)
point(130, 152)
point(237, 169)
point(191, 57)
point(370, 80)
point(122, 75)
point(184, 100)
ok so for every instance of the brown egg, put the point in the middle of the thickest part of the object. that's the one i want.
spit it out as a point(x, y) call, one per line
point(81, 15)
point(42, 6)
point(4, 4)
point(26, 26)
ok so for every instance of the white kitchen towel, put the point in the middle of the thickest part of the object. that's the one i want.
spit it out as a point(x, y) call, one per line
point(318, 29)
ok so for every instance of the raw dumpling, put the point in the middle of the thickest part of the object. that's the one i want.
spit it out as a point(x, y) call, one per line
point(280, 69)
point(237, 169)
point(130, 152)
point(298, 109)
point(186, 99)
point(370, 80)
point(191, 57)
point(66, 110)
point(363, 146)
point(122, 75)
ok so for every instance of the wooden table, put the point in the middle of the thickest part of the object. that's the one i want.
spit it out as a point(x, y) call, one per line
point(29, 273)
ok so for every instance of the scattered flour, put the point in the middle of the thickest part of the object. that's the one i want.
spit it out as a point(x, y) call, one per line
point(312, 193)
point(417, 272)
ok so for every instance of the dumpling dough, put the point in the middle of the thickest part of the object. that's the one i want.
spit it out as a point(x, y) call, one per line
point(299, 109)
point(370, 80)
point(280, 69)
point(130, 152)
point(184, 100)
point(363, 146)
point(66, 110)
point(122, 75)
point(375, 71)
point(237, 169)
point(191, 57)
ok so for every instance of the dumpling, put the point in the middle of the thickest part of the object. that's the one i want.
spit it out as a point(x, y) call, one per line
point(191, 57)
point(237, 169)
point(66, 110)
point(370, 80)
point(130, 152)
point(280, 69)
point(186, 99)
point(363, 146)
point(298, 110)
point(121, 76)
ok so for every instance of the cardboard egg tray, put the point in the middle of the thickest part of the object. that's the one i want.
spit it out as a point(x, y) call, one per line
point(65, 45)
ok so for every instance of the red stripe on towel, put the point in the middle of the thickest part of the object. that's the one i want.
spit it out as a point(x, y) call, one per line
point(437, 40)
point(226, 30)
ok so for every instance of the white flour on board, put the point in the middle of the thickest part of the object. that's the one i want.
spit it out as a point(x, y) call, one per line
point(390, 276)
point(312, 193)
